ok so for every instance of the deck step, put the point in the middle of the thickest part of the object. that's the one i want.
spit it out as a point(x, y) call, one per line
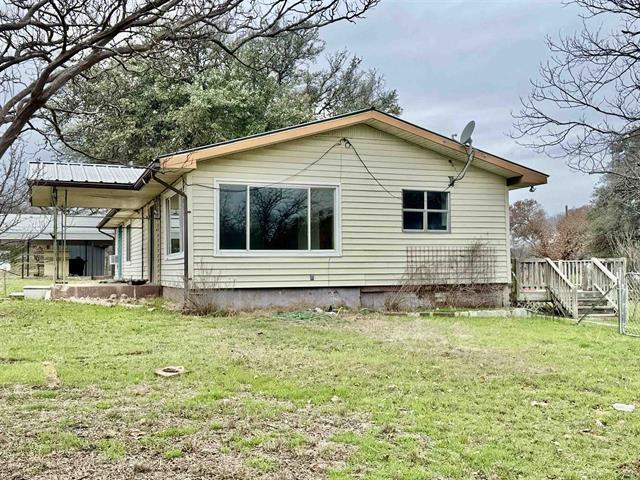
point(595, 311)
point(590, 296)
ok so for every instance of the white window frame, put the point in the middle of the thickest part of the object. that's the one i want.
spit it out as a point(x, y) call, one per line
point(128, 242)
point(167, 229)
point(425, 211)
point(337, 221)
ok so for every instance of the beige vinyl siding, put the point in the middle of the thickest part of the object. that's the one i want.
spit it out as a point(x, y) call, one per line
point(373, 245)
point(137, 267)
point(133, 268)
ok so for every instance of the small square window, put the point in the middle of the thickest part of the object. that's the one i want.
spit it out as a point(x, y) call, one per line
point(413, 220)
point(437, 200)
point(436, 220)
point(413, 199)
point(425, 211)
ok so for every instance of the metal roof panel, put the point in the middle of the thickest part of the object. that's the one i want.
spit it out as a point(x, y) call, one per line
point(83, 173)
point(28, 226)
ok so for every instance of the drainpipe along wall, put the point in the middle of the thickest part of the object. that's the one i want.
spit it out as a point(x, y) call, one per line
point(185, 230)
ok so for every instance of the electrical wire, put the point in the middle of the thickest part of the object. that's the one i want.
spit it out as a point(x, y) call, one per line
point(305, 168)
point(350, 145)
point(347, 143)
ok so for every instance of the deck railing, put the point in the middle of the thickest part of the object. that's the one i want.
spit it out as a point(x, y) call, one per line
point(561, 281)
point(577, 272)
point(563, 292)
point(604, 281)
point(529, 274)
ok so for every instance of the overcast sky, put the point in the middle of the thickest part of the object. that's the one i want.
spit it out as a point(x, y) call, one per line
point(452, 62)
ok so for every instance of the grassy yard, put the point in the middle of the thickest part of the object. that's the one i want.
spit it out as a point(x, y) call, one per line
point(301, 395)
point(16, 284)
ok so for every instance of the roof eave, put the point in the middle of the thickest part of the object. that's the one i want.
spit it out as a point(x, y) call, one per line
point(106, 218)
point(525, 181)
point(188, 159)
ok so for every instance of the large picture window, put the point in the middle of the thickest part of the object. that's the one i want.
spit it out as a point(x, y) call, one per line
point(175, 224)
point(276, 218)
point(425, 211)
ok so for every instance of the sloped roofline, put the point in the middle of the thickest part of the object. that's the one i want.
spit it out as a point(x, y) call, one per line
point(188, 159)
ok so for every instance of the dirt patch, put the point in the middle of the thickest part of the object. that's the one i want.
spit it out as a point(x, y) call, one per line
point(11, 360)
point(246, 436)
point(630, 470)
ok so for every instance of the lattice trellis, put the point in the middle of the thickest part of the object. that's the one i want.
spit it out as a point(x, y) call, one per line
point(473, 264)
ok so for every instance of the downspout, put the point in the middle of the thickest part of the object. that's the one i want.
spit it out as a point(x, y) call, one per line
point(185, 233)
point(105, 233)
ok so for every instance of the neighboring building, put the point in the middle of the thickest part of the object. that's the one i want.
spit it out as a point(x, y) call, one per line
point(82, 250)
point(329, 212)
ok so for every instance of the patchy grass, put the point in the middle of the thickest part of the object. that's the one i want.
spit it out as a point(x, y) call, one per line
point(111, 449)
point(16, 284)
point(172, 453)
point(304, 395)
point(48, 442)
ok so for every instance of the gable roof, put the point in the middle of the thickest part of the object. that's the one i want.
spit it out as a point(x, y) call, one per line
point(517, 175)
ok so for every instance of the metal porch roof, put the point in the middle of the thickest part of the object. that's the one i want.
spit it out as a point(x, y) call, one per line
point(29, 226)
point(91, 173)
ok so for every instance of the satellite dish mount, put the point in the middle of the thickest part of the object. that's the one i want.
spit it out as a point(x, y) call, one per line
point(465, 139)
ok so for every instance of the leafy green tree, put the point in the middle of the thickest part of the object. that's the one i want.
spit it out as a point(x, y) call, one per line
point(132, 112)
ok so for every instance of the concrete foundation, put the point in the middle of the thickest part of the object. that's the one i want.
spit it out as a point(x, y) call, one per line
point(436, 296)
point(289, 298)
point(105, 291)
point(375, 298)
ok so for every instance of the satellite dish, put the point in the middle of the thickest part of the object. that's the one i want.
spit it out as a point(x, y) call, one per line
point(465, 136)
point(465, 139)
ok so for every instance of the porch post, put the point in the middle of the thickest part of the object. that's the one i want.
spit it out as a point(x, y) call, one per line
point(54, 200)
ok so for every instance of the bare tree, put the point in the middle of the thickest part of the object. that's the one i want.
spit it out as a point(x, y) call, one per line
point(570, 238)
point(530, 228)
point(584, 107)
point(44, 44)
point(13, 192)
point(534, 233)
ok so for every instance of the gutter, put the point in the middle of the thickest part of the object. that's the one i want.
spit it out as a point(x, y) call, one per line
point(185, 232)
point(105, 233)
point(110, 214)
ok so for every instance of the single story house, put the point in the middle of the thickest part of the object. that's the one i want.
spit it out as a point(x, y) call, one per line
point(83, 251)
point(337, 211)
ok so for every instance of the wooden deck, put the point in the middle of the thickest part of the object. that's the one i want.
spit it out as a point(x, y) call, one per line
point(577, 288)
